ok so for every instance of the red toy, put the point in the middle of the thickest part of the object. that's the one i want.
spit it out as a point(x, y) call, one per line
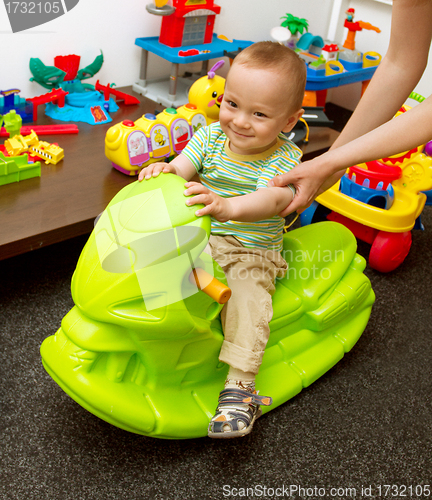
point(57, 96)
point(107, 90)
point(69, 64)
point(353, 27)
point(190, 24)
point(44, 130)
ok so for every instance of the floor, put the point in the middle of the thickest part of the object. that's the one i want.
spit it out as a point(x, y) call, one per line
point(366, 424)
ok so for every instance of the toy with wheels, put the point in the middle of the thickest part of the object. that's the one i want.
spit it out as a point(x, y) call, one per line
point(380, 202)
point(133, 145)
point(140, 347)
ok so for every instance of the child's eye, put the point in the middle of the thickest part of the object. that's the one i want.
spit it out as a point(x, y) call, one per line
point(258, 113)
point(232, 104)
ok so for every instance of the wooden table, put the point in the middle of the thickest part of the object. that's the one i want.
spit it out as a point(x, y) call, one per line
point(66, 199)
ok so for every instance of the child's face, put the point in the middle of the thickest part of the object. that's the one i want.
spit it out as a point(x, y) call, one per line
point(254, 110)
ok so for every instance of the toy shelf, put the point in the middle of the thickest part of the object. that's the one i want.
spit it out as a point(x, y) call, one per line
point(172, 91)
point(316, 81)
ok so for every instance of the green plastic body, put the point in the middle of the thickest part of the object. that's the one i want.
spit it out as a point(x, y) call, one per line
point(156, 372)
point(17, 168)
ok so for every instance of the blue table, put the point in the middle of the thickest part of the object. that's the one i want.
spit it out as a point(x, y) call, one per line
point(206, 52)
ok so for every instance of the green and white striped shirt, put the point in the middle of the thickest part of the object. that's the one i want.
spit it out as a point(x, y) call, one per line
point(229, 174)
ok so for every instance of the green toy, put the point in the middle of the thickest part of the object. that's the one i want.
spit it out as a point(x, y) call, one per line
point(140, 347)
point(49, 77)
point(17, 168)
point(12, 123)
point(52, 77)
point(91, 69)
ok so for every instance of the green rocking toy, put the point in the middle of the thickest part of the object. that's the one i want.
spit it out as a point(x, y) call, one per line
point(140, 347)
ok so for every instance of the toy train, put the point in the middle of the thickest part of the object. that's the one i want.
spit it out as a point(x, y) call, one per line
point(132, 145)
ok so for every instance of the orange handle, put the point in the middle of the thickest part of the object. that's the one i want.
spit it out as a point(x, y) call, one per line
point(368, 26)
point(210, 285)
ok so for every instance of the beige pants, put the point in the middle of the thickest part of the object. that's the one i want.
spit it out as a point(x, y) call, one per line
point(251, 273)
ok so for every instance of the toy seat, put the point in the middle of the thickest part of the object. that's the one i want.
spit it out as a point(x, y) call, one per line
point(140, 347)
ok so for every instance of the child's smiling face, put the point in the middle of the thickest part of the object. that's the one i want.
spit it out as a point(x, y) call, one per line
point(255, 109)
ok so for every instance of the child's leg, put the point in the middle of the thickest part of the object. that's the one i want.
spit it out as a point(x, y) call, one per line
point(245, 319)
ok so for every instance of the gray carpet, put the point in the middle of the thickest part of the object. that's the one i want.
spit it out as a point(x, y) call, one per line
point(367, 422)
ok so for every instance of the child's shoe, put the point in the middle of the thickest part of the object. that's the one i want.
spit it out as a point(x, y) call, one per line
point(236, 413)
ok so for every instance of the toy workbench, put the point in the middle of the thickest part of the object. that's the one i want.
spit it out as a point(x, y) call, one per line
point(172, 91)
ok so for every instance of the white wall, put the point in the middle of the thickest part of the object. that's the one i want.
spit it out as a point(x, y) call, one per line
point(253, 19)
point(113, 25)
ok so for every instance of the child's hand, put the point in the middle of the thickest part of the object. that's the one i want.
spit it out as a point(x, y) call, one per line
point(154, 169)
point(220, 208)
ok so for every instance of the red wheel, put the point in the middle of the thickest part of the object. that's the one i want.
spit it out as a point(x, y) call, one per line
point(389, 250)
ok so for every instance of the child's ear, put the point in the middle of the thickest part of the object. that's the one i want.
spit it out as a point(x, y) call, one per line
point(293, 119)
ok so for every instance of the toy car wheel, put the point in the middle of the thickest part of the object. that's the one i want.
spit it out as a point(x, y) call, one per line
point(389, 250)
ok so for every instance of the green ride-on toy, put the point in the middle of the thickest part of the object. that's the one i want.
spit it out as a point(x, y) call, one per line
point(140, 347)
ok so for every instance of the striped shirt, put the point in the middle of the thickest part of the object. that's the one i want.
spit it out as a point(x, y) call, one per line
point(229, 174)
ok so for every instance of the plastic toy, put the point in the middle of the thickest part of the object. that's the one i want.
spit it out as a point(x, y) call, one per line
point(173, 90)
point(380, 203)
point(56, 96)
point(327, 65)
point(207, 93)
point(296, 26)
point(44, 130)
point(140, 347)
point(188, 23)
point(12, 122)
point(76, 101)
point(329, 71)
point(87, 106)
point(41, 150)
point(160, 8)
point(50, 153)
point(65, 69)
point(18, 144)
point(121, 96)
point(353, 27)
point(131, 145)
point(17, 169)
point(11, 100)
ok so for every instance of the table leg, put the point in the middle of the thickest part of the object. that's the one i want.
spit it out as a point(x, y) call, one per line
point(173, 81)
point(204, 68)
point(143, 68)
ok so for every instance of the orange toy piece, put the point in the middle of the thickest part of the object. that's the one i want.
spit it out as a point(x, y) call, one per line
point(353, 27)
point(210, 285)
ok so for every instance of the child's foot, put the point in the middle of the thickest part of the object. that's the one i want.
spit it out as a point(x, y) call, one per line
point(237, 410)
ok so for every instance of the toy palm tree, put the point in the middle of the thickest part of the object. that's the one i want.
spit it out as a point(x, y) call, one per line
point(295, 25)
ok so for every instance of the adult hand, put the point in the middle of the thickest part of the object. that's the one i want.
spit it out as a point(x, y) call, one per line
point(309, 181)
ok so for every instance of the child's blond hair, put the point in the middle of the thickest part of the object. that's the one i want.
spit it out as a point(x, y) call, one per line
point(283, 60)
